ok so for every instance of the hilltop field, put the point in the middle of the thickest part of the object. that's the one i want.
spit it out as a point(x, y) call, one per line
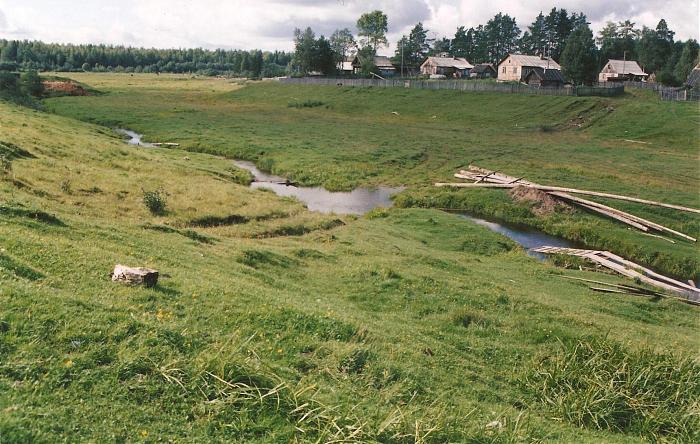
point(272, 323)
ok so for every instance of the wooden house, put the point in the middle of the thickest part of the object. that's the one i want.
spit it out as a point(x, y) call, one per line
point(384, 66)
point(446, 66)
point(483, 71)
point(545, 78)
point(693, 81)
point(515, 67)
point(622, 70)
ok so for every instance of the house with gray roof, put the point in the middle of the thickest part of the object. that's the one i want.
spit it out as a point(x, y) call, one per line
point(447, 66)
point(622, 70)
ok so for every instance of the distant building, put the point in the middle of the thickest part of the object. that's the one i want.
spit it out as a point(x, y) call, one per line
point(446, 66)
point(483, 71)
point(515, 67)
point(546, 78)
point(383, 64)
point(345, 67)
point(693, 81)
point(621, 70)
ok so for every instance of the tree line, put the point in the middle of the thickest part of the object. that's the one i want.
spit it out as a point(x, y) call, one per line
point(34, 55)
point(565, 37)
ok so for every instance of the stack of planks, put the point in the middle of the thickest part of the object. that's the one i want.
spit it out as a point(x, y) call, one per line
point(484, 178)
point(688, 293)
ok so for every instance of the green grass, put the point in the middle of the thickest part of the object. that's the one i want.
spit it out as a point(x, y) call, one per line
point(368, 136)
point(271, 323)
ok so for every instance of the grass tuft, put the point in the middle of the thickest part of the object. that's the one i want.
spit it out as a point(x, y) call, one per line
point(602, 385)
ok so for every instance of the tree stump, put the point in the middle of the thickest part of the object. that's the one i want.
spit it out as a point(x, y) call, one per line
point(135, 276)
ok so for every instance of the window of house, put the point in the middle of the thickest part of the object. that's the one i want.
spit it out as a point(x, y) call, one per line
point(504, 70)
point(515, 70)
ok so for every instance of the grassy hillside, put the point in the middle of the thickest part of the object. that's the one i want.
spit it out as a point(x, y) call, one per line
point(407, 325)
point(343, 137)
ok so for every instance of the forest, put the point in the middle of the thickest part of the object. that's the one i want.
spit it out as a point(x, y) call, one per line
point(657, 50)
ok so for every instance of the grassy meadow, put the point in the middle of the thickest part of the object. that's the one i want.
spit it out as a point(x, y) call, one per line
point(275, 324)
point(343, 137)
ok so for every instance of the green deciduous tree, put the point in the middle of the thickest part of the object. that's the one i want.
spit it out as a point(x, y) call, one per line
point(687, 60)
point(578, 60)
point(342, 43)
point(372, 28)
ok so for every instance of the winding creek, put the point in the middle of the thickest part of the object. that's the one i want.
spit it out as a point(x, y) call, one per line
point(361, 200)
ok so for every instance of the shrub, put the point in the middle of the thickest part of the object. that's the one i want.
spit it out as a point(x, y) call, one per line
point(602, 385)
point(306, 104)
point(155, 201)
point(30, 83)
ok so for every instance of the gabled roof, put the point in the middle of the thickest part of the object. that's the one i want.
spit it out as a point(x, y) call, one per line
point(449, 62)
point(694, 78)
point(550, 75)
point(381, 62)
point(625, 67)
point(483, 67)
point(532, 61)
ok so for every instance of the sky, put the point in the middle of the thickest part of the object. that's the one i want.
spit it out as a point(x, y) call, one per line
point(269, 24)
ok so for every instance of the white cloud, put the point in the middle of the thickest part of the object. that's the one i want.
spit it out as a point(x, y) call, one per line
point(269, 24)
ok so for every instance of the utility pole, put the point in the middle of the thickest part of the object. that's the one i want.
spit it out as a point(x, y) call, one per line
point(624, 62)
point(402, 42)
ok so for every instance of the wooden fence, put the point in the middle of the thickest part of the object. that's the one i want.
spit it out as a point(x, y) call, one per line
point(462, 85)
point(665, 92)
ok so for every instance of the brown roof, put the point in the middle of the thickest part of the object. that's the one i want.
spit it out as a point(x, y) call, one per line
point(625, 67)
point(449, 62)
point(533, 61)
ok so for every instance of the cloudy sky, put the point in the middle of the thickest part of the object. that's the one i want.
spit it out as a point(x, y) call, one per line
point(269, 24)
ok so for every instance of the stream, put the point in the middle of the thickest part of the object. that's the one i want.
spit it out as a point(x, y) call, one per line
point(361, 200)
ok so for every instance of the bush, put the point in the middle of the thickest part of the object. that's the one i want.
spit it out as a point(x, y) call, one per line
point(306, 104)
point(155, 201)
point(30, 83)
point(601, 384)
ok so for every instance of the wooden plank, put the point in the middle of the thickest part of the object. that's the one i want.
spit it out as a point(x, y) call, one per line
point(648, 272)
point(625, 287)
point(507, 184)
point(618, 264)
point(634, 218)
point(615, 216)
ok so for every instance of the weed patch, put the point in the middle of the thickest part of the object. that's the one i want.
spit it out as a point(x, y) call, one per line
point(19, 270)
point(602, 385)
point(261, 258)
point(37, 215)
point(218, 221)
point(155, 201)
point(306, 104)
point(191, 234)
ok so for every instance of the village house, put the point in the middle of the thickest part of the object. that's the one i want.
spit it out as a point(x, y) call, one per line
point(446, 66)
point(693, 81)
point(622, 70)
point(383, 64)
point(345, 67)
point(515, 67)
point(483, 71)
point(545, 78)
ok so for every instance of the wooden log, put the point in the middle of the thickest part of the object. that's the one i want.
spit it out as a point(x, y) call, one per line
point(647, 271)
point(566, 190)
point(135, 276)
